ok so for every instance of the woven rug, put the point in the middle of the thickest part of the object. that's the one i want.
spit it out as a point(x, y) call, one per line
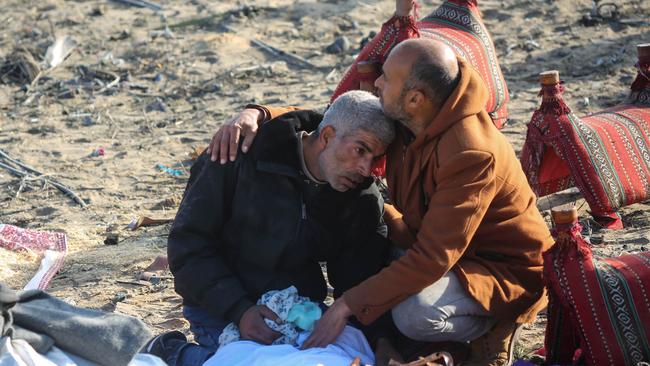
point(606, 155)
point(456, 23)
point(51, 245)
point(599, 310)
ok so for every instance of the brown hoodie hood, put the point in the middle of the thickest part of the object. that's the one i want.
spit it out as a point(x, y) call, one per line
point(468, 99)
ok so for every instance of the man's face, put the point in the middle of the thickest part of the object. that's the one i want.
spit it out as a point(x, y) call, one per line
point(347, 160)
point(390, 87)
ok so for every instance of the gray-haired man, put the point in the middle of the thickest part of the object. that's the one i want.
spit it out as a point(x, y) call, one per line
point(265, 220)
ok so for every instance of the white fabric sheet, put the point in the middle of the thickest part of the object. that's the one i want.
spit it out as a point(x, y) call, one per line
point(350, 344)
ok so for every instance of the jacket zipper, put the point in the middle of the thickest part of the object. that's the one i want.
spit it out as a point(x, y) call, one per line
point(303, 216)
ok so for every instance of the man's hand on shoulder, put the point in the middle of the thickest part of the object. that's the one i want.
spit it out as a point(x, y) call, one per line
point(330, 326)
point(253, 327)
point(225, 141)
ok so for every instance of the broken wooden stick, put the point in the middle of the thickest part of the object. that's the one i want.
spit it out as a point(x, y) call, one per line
point(27, 170)
point(295, 59)
point(141, 4)
point(211, 18)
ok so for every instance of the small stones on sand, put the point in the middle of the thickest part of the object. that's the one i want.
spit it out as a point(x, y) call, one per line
point(340, 45)
point(158, 106)
point(112, 239)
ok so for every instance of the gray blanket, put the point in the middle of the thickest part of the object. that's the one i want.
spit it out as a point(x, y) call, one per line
point(43, 321)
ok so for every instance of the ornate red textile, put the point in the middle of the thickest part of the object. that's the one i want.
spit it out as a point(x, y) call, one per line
point(601, 307)
point(456, 23)
point(606, 154)
point(459, 25)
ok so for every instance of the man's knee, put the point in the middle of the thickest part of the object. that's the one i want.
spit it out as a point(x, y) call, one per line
point(205, 327)
point(418, 320)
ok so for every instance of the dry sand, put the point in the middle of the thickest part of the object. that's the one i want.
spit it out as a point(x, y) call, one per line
point(177, 88)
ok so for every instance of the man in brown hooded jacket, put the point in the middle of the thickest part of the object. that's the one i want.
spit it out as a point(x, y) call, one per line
point(462, 208)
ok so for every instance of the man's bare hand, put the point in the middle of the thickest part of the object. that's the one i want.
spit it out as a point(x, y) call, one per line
point(329, 327)
point(403, 7)
point(225, 142)
point(253, 327)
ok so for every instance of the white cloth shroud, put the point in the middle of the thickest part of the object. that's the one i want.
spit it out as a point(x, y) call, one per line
point(350, 344)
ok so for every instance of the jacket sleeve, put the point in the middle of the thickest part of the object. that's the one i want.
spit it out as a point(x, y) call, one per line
point(465, 188)
point(398, 232)
point(201, 273)
point(271, 112)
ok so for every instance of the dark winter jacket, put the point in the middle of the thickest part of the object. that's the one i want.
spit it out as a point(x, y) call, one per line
point(259, 224)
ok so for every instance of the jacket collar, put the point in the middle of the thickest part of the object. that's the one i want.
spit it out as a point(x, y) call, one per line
point(275, 149)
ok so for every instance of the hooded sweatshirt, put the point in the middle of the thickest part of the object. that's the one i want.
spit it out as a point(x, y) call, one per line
point(467, 205)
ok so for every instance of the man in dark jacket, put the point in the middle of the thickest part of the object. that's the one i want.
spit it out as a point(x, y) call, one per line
point(264, 222)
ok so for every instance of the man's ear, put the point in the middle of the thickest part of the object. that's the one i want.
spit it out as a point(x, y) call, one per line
point(414, 100)
point(326, 135)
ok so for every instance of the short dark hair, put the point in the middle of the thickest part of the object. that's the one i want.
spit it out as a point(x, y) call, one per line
point(431, 77)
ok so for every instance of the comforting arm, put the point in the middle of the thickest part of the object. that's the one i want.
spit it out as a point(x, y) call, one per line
point(225, 142)
point(465, 188)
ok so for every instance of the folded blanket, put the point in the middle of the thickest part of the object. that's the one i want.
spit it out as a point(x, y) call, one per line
point(43, 320)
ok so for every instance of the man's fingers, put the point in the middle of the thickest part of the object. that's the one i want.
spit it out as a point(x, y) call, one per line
point(213, 148)
point(234, 142)
point(269, 314)
point(314, 340)
point(316, 337)
point(248, 140)
point(223, 145)
point(308, 342)
point(270, 335)
point(264, 338)
point(265, 334)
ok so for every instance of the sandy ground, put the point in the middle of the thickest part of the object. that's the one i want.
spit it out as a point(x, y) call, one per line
point(177, 87)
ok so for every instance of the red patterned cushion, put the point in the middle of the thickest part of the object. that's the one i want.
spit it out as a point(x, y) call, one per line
point(606, 154)
point(456, 23)
point(599, 307)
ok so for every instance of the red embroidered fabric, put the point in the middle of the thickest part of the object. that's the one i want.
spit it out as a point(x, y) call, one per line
point(598, 309)
point(605, 155)
point(456, 23)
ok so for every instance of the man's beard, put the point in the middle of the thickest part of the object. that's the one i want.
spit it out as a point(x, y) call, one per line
point(397, 112)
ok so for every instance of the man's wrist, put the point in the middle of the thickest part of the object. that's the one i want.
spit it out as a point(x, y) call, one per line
point(344, 308)
point(262, 113)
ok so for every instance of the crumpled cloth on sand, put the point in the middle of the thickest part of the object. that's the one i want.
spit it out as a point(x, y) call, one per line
point(295, 311)
point(52, 245)
point(17, 352)
point(44, 321)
